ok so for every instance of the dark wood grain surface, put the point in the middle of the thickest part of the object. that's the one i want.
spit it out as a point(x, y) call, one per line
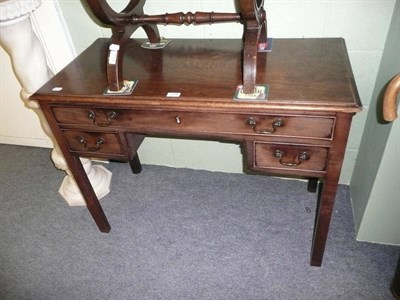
point(303, 74)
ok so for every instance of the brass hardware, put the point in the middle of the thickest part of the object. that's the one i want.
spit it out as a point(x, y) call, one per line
point(112, 115)
point(178, 120)
point(91, 114)
point(82, 140)
point(99, 142)
point(300, 158)
point(253, 123)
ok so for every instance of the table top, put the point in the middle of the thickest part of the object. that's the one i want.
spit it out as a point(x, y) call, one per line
point(302, 74)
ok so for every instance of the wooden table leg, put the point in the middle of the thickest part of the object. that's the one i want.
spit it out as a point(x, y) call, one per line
point(78, 173)
point(312, 185)
point(135, 164)
point(322, 222)
point(327, 194)
point(88, 193)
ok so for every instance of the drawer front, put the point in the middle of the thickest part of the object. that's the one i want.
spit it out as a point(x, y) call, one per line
point(159, 121)
point(97, 143)
point(300, 158)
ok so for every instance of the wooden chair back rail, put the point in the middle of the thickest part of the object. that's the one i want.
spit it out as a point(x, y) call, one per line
point(124, 23)
point(389, 99)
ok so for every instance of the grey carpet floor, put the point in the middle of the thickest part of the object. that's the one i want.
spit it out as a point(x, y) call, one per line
point(177, 234)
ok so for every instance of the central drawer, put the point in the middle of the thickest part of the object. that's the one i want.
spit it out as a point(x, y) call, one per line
point(165, 121)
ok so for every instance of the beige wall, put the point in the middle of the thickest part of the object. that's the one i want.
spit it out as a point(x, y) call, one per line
point(363, 24)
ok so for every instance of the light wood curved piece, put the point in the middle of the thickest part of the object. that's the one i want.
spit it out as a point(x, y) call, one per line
point(389, 99)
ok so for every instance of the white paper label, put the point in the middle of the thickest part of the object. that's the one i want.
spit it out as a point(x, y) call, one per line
point(173, 94)
point(114, 47)
point(112, 58)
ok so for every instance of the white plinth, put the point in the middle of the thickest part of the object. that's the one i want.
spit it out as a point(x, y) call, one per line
point(99, 177)
point(28, 58)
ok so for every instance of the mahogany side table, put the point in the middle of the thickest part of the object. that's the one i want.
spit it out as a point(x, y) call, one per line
point(187, 90)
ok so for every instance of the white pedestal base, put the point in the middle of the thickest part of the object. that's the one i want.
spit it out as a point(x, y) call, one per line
point(99, 177)
point(29, 61)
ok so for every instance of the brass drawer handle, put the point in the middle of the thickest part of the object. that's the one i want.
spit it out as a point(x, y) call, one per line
point(99, 142)
point(253, 123)
point(112, 115)
point(300, 158)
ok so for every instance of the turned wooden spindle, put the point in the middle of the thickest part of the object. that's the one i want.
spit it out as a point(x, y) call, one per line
point(188, 18)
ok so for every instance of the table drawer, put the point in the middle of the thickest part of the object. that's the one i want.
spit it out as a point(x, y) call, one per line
point(160, 121)
point(97, 143)
point(297, 159)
